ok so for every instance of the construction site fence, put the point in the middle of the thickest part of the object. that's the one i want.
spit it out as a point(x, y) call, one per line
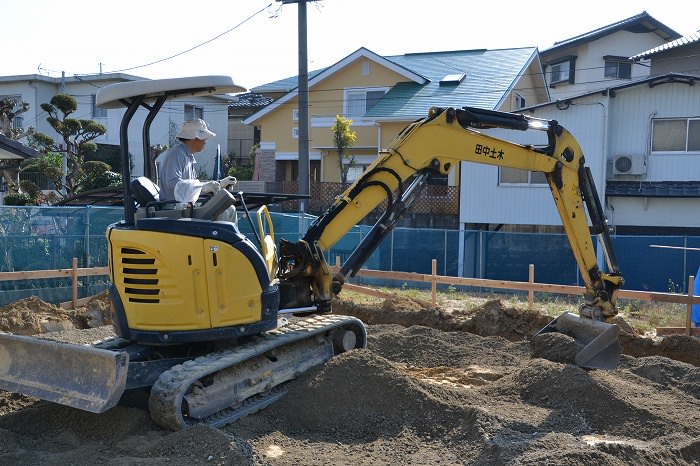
point(49, 238)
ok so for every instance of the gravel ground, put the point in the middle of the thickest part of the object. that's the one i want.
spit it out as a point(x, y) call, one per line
point(433, 387)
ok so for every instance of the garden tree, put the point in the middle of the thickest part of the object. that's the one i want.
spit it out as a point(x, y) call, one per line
point(8, 111)
point(77, 136)
point(343, 137)
point(241, 172)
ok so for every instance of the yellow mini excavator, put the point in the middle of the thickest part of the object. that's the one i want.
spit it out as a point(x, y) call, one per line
point(212, 323)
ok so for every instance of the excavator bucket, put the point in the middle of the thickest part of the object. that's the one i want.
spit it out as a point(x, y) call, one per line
point(601, 350)
point(83, 377)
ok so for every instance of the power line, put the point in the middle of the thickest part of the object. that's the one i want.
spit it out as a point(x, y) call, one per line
point(199, 45)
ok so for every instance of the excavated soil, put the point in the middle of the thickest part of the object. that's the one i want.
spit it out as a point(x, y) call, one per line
point(434, 387)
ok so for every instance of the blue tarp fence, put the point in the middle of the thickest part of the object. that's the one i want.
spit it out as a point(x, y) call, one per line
point(45, 238)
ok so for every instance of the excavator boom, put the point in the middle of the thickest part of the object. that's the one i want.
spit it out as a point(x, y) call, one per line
point(435, 145)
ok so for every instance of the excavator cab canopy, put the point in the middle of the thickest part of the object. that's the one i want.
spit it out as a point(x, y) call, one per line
point(151, 95)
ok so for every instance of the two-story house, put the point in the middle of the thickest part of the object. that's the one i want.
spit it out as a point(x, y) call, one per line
point(37, 89)
point(383, 94)
point(642, 141)
point(601, 58)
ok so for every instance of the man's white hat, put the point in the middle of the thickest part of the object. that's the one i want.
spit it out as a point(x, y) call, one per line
point(196, 128)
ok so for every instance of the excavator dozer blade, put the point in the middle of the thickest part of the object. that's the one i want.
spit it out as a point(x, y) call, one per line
point(83, 377)
point(601, 350)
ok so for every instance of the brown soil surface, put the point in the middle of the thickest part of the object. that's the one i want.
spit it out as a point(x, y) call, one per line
point(434, 387)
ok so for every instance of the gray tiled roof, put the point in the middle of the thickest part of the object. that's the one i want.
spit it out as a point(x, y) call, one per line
point(249, 100)
point(689, 39)
point(489, 74)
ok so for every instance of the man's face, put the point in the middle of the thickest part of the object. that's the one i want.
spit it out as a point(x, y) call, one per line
point(198, 145)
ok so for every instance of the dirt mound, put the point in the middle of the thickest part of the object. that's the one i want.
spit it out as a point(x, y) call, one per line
point(31, 316)
point(494, 319)
point(489, 319)
point(434, 386)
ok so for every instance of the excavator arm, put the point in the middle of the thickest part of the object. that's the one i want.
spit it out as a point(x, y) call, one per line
point(435, 145)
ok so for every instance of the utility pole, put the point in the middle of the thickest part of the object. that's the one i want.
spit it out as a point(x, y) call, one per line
point(303, 99)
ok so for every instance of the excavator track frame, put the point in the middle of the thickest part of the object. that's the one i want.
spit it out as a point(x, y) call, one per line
point(168, 399)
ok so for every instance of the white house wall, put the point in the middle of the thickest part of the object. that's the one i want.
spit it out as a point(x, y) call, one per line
point(482, 200)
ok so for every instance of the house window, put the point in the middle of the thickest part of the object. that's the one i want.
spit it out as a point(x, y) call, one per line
point(562, 71)
point(618, 68)
point(97, 112)
point(517, 176)
point(295, 133)
point(192, 112)
point(360, 101)
point(18, 122)
point(519, 101)
point(675, 135)
point(295, 114)
point(354, 172)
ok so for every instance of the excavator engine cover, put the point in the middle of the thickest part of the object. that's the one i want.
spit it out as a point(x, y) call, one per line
point(601, 350)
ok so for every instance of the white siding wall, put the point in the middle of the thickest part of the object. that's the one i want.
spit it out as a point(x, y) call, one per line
point(630, 127)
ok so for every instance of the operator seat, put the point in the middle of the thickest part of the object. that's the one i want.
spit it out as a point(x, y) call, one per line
point(144, 190)
point(146, 194)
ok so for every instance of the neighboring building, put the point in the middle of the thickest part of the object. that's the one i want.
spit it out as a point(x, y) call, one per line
point(38, 89)
point(242, 137)
point(601, 58)
point(381, 95)
point(601, 112)
point(642, 143)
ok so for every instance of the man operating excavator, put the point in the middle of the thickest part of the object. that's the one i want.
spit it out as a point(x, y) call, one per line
point(178, 163)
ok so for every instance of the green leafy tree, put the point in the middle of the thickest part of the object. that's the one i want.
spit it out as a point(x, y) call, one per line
point(344, 138)
point(241, 172)
point(76, 136)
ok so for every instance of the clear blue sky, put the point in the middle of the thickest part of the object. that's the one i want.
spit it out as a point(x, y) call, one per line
point(255, 41)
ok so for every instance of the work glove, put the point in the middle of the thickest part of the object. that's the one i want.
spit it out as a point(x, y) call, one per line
point(210, 187)
point(228, 182)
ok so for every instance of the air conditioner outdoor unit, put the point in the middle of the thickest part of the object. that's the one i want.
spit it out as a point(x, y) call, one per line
point(633, 165)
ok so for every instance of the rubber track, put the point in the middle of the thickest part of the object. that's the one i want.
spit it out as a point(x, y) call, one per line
point(165, 403)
